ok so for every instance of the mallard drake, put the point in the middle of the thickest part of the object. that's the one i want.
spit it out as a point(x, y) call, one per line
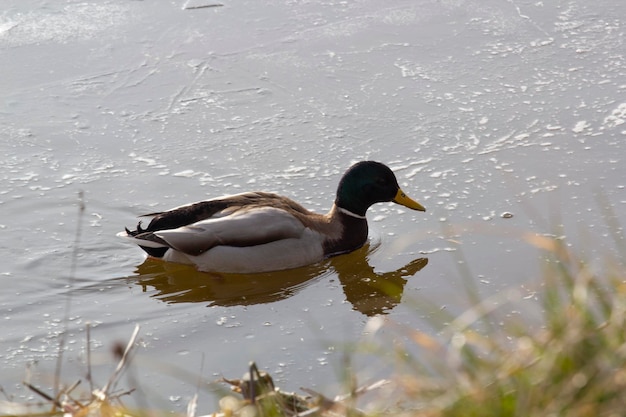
point(261, 232)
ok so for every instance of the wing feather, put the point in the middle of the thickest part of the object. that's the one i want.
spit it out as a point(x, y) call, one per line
point(240, 229)
point(192, 213)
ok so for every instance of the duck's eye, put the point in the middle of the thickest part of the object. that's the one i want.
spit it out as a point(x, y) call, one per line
point(380, 181)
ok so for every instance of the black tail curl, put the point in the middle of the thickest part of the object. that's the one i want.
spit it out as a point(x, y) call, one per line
point(139, 230)
point(154, 252)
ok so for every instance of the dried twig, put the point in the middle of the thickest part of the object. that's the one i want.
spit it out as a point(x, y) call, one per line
point(336, 404)
point(88, 337)
point(120, 366)
point(68, 297)
point(42, 394)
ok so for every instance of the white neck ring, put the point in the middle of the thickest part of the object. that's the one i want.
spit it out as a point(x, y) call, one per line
point(351, 214)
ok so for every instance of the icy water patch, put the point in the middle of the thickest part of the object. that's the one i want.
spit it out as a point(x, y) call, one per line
point(21, 25)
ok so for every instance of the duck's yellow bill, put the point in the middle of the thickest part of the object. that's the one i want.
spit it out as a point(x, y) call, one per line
point(406, 201)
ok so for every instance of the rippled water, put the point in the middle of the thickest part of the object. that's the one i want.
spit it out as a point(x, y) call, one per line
point(501, 117)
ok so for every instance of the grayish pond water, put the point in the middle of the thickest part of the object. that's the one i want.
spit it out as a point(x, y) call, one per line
point(481, 107)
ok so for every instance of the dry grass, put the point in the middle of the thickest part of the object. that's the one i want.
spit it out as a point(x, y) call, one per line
point(571, 364)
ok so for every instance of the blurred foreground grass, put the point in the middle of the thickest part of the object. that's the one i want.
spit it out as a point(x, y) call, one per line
point(571, 363)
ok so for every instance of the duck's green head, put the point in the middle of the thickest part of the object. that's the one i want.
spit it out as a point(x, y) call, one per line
point(367, 183)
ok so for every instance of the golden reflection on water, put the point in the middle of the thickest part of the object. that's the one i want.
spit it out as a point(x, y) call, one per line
point(368, 291)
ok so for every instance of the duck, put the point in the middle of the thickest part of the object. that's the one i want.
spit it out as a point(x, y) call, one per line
point(258, 231)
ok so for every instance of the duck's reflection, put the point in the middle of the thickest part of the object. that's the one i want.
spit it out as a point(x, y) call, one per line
point(369, 292)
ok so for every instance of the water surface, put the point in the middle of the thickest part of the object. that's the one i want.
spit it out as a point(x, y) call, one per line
point(482, 108)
